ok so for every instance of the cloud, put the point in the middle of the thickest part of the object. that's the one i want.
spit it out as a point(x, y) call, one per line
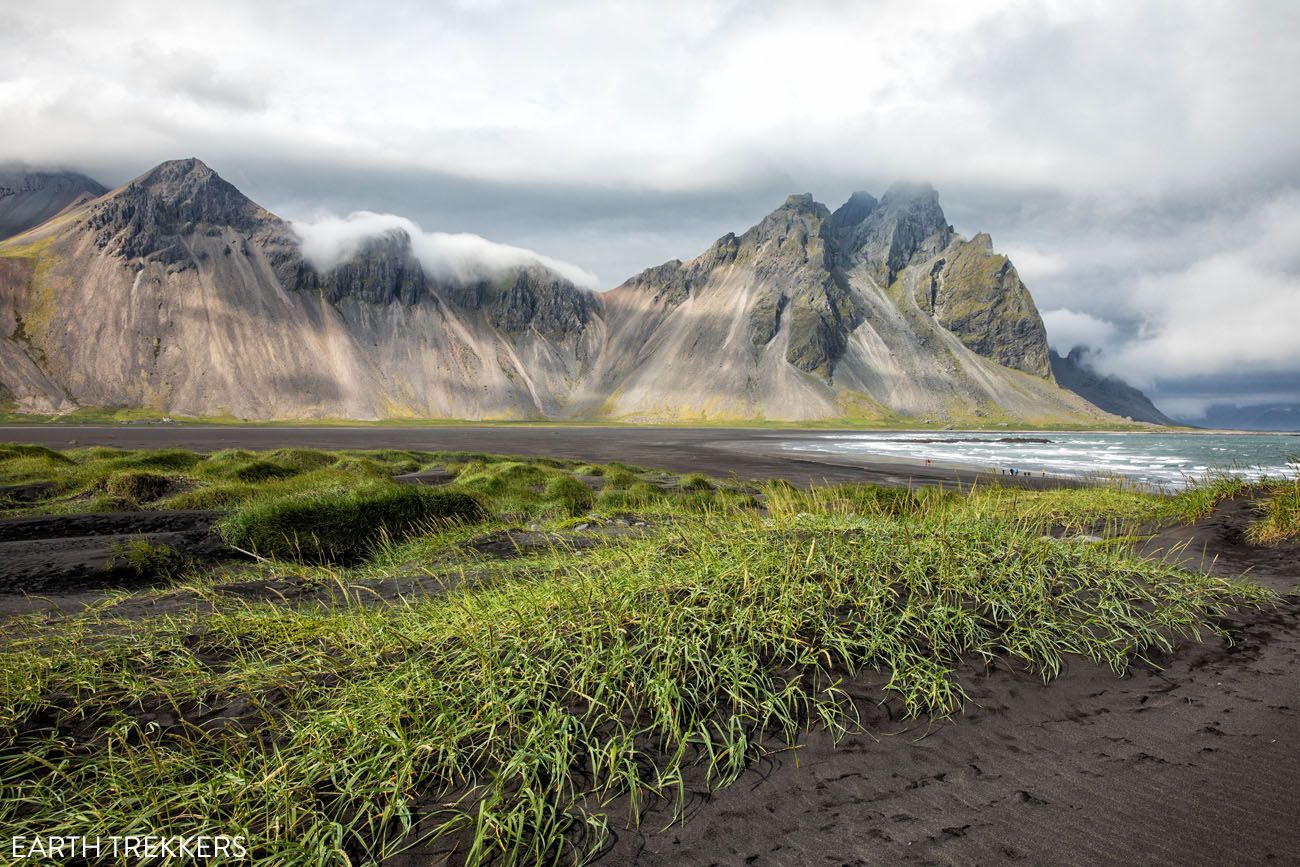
point(682, 95)
point(1067, 329)
point(1235, 305)
point(460, 257)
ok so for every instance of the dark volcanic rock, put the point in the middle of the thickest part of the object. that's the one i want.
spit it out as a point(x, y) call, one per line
point(905, 223)
point(150, 217)
point(977, 295)
point(794, 248)
point(672, 281)
point(384, 271)
point(535, 299)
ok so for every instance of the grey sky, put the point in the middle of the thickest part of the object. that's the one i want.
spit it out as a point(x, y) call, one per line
point(1137, 160)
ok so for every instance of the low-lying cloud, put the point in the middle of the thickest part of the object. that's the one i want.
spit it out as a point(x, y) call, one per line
point(1067, 329)
point(459, 257)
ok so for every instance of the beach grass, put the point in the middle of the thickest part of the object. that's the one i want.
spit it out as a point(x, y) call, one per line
point(522, 715)
point(1280, 518)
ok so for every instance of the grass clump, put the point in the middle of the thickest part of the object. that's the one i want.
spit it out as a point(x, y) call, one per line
point(567, 495)
point(148, 559)
point(1280, 518)
point(139, 487)
point(342, 525)
point(260, 471)
point(619, 478)
point(638, 495)
point(696, 482)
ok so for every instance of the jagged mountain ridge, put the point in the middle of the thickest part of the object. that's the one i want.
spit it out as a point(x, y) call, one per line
point(176, 291)
point(30, 198)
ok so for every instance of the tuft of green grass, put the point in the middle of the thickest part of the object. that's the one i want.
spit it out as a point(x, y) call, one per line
point(567, 495)
point(1280, 519)
point(696, 482)
point(342, 525)
point(139, 486)
point(619, 478)
point(148, 559)
point(261, 471)
point(638, 495)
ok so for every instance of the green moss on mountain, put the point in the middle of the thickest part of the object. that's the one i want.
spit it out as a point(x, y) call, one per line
point(978, 296)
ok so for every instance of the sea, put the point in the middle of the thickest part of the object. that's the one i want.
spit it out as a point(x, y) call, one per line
point(1151, 460)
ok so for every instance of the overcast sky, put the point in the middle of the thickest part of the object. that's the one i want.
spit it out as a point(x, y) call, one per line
point(1138, 161)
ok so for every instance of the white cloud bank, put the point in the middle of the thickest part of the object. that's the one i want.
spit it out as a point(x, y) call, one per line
point(1231, 304)
point(461, 257)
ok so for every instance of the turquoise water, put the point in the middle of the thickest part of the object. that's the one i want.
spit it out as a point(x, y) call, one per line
point(1161, 460)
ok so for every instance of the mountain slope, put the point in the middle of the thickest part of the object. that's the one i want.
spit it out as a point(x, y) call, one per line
point(176, 291)
point(1113, 395)
point(29, 198)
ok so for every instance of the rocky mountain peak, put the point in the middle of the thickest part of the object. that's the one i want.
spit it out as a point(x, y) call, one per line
point(910, 194)
point(906, 221)
point(791, 229)
point(802, 203)
point(148, 217)
point(189, 191)
point(854, 211)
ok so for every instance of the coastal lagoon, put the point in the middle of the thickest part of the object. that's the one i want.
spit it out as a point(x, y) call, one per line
point(1164, 460)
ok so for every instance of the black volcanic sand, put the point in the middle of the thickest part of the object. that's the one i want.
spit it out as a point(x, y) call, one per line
point(61, 553)
point(1193, 759)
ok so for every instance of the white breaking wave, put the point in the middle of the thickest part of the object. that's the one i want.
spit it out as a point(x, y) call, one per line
point(1163, 460)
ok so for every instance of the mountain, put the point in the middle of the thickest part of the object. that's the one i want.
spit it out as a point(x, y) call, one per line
point(29, 198)
point(1111, 394)
point(876, 311)
point(177, 292)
